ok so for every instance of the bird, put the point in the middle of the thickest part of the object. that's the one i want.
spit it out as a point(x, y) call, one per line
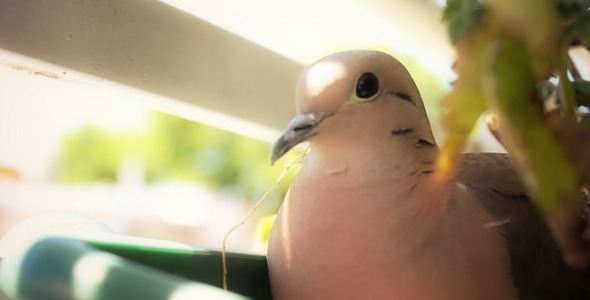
point(366, 218)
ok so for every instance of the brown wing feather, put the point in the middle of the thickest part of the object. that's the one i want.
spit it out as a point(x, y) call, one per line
point(537, 267)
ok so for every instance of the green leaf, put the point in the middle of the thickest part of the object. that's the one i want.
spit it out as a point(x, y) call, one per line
point(579, 28)
point(466, 102)
point(569, 8)
point(529, 138)
point(461, 16)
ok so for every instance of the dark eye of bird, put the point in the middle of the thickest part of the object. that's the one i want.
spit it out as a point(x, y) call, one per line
point(367, 86)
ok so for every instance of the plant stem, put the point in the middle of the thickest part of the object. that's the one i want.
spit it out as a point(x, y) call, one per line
point(270, 190)
point(565, 86)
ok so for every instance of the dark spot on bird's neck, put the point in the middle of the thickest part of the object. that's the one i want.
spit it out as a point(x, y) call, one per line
point(522, 197)
point(402, 131)
point(424, 143)
point(404, 96)
point(426, 172)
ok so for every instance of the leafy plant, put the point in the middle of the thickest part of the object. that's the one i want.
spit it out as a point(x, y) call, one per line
point(509, 56)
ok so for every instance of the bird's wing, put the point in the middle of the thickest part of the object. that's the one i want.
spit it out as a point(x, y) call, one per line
point(537, 266)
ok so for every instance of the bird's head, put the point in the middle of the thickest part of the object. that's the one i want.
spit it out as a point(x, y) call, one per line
point(369, 86)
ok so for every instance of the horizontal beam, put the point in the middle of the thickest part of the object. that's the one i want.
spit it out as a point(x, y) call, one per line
point(151, 46)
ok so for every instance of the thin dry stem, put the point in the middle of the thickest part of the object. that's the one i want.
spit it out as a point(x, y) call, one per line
point(268, 192)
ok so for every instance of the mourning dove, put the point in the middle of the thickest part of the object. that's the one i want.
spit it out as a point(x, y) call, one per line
point(366, 219)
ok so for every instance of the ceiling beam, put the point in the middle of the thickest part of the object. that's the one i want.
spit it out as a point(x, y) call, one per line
point(151, 46)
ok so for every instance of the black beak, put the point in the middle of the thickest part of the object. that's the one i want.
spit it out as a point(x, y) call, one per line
point(299, 129)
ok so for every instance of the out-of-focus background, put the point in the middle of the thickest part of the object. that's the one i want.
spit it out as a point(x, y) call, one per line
point(157, 117)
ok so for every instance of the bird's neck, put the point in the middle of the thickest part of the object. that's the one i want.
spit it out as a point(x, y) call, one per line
point(372, 163)
point(403, 171)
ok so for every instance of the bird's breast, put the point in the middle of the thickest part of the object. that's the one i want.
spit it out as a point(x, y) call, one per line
point(349, 242)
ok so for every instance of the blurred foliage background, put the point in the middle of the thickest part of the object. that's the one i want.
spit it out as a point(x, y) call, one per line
point(173, 149)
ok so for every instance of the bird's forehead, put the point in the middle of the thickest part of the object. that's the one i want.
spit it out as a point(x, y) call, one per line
point(323, 85)
point(323, 74)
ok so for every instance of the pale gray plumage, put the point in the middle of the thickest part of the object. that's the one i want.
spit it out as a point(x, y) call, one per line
point(364, 218)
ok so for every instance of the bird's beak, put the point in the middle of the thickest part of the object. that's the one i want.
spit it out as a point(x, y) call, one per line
point(299, 129)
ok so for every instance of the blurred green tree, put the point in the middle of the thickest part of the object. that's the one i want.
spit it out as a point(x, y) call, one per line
point(173, 148)
point(90, 154)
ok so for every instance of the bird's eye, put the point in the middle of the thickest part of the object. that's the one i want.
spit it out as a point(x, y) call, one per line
point(367, 87)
